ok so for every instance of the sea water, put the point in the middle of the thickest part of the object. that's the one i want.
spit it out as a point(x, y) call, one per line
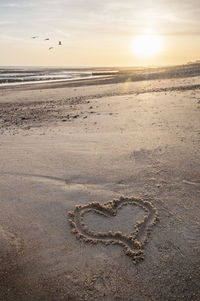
point(28, 75)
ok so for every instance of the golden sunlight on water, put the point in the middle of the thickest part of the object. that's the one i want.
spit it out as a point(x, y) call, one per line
point(147, 45)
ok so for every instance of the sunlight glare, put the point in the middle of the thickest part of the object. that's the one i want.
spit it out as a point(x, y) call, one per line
point(148, 45)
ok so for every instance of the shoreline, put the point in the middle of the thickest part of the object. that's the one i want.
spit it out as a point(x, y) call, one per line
point(53, 81)
point(113, 76)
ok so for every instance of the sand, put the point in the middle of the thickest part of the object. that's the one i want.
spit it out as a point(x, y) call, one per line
point(62, 146)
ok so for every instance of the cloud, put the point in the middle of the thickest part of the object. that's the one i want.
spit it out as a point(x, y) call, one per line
point(7, 22)
point(90, 18)
point(17, 5)
point(10, 38)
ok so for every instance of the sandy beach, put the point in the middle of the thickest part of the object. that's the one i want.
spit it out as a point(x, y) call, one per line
point(67, 144)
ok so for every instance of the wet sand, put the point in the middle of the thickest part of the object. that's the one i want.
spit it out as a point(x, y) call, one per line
point(71, 145)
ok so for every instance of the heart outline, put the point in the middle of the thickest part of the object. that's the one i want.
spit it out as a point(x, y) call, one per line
point(133, 243)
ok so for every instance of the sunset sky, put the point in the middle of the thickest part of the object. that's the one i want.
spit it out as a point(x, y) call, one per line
point(99, 33)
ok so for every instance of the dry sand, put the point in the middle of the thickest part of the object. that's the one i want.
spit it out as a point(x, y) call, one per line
point(75, 144)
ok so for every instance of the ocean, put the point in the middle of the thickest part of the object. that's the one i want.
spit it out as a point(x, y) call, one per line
point(28, 75)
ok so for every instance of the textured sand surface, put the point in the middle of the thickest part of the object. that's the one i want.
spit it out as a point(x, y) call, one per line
point(67, 146)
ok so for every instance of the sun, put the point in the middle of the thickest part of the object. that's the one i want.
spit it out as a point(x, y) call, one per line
point(147, 46)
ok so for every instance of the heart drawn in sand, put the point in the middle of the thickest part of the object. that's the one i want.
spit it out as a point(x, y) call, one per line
point(133, 243)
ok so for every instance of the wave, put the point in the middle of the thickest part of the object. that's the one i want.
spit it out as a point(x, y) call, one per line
point(15, 76)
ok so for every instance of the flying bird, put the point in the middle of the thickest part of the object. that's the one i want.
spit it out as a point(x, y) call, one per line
point(35, 37)
point(47, 39)
point(60, 43)
point(50, 48)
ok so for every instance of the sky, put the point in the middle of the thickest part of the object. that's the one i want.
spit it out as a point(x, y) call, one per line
point(97, 32)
